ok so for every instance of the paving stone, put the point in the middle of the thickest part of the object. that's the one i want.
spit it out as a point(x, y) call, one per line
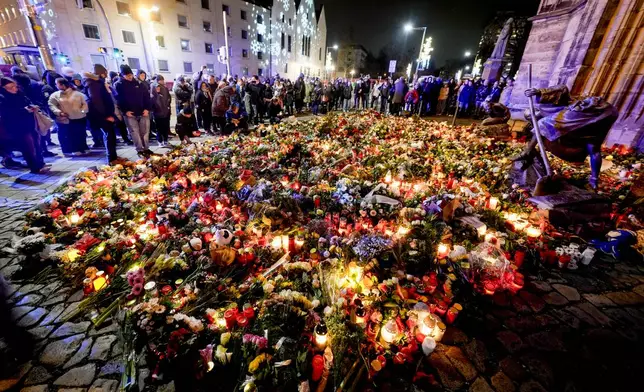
point(539, 286)
point(566, 318)
point(143, 376)
point(71, 309)
point(462, 364)
point(117, 350)
point(68, 329)
point(449, 376)
point(114, 327)
point(32, 317)
point(53, 314)
point(29, 299)
point(9, 270)
point(454, 335)
point(532, 300)
point(581, 315)
point(546, 341)
point(570, 293)
point(594, 312)
point(77, 296)
point(12, 380)
point(625, 318)
point(532, 386)
point(112, 367)
point(639, 290)
point(477, 353)
point(30, 288)
point(510, 340)
point(104, 385)
point(41, 332)
point(625, 298)
point(81, 354)
point(101, 349)
point(520, 305)
point(502, 383)
point(480, 385)
point(21, 311)
point(523, 324)
point(36, 388)
point(555, 299)
point(57, 352)
point(539, 368)
point(598, 300)
point(54, 300)
point(37, 375)
point(77, 377)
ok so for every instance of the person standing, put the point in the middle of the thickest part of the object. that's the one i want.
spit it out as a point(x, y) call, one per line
point(19, 126)
point(400, 89)
point(254, 90)
point(375, 95)
point(442, 100)
point(161, 109)
point(220, 103)
point(482, 92)
point(299, 93)
point(101, 111)
point(134, 101)
point(182, 93)
point(203, 103)
point(384, 95)
point(316, 96)
point(464, 96)
point(346, 95)
point(34, 91)
point(70, 108)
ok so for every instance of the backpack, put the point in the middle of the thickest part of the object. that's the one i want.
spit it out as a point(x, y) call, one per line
point(221, 103)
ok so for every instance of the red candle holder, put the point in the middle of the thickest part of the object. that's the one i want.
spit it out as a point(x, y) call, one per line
point(230, 317)
point(441, 308)
point(249, 312)
point(242, 321)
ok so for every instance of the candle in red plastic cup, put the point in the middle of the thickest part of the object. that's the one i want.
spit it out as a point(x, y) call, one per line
point(229, 316)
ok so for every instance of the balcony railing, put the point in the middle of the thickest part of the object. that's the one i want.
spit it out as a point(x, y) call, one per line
point(548, 6)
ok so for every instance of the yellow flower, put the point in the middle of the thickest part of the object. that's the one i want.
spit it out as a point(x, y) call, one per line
point(258, 361)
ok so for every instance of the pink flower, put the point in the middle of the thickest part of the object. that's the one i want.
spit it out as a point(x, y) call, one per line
point(137, 289)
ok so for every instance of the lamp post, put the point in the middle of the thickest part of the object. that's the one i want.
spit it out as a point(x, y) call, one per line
point(408, 29)
point(226, 42)
point(467, 54)
point(327, 63)
point(144, 13)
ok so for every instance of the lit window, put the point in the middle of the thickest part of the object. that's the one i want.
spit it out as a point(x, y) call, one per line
point(163, 66)
point(128, 37)
point(187, 67)
point(185, 45)
point(207, 26)
point(122, 8)
point(160, 41)
point(91, 31)
point(209, 48)
point(183, 21)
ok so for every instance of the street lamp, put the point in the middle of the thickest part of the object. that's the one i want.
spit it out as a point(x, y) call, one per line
point(408, 29)
point(352, 72)
point(467, 67)
point(468, 53)
point(144, 13)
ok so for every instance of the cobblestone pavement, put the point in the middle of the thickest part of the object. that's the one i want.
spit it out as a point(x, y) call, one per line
point(566, 331)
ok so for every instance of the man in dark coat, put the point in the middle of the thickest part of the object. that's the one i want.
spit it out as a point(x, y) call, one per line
point(134, 101)
point(33, 91)
point(101, 111)
point(161, 109)
point(256, 91)
point(183, 93)
point(299, 91)
point(19, 126)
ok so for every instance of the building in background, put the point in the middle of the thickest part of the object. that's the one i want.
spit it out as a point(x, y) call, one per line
point(169, 37)
point(351, 58)
point(595, 48)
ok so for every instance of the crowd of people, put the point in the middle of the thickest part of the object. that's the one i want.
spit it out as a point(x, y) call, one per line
point(138, 108)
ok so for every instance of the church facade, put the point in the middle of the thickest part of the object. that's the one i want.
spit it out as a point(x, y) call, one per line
point(595, 47)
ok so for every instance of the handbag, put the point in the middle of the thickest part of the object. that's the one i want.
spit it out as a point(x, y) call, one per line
point(43, 122)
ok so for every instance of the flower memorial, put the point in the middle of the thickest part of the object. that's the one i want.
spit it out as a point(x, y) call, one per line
point(322, 256)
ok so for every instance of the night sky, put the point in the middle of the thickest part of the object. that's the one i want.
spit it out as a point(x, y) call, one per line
point(454, 25)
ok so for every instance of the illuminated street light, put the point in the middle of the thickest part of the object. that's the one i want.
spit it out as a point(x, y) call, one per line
point(335, 47)
point(408, 29)
point(467, 67)
point(468, 53)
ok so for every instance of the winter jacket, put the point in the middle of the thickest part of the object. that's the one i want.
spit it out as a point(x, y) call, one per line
point(444, 93)
point(400, 88)
point(221, 101)
point(16, 120)
point(299, 89)
point(412, 97)
point(346, 91)
point(240, 115)
point(183, 92)
point(99, 100)
point(72, 102)
point(132, 96)
point(161, 100)
point(482, 93)
point(185, 125)
point(255, 91)
point(495, 94)
point(465, 94)
point(203, 100)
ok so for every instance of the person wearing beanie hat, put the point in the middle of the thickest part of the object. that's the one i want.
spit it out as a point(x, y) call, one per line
point(186, 125)
point(183, 93)
point(77, 81)
point(133, 99)
point(125, 70)
point(19, 126)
